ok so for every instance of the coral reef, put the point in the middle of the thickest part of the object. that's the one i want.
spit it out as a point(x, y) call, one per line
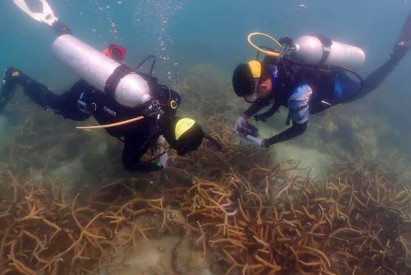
point(242, 211)
point(44, 233)
point(258, 219)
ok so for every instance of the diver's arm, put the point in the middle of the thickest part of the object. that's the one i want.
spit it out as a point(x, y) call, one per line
point(298, 106)
point(255, 107)
point(135, 145)
point(263, 116)
point(132, 162)
point(292, 132)
point(143, 166)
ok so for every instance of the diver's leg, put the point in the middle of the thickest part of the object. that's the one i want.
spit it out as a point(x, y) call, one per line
point(39, 93)
point(405, 36)
point(372, 81)
point(65, 104)
point(400, 50)
point(8, 87)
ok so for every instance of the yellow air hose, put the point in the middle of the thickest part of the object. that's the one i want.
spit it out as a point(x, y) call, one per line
point(128, 121)
point(259, 48)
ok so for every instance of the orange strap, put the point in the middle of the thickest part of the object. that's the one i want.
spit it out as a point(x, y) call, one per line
point(110, 125)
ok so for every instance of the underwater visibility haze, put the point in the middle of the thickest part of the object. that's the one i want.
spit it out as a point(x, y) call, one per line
point(332, 201)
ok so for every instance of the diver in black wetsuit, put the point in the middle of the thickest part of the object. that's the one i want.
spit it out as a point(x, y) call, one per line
point(83, 101)
point(303, 89)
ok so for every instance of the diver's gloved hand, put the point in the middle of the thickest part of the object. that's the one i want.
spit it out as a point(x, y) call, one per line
point(256, 141)
point(159, 150)
point(242, 127)
point(265, 143)
point(163, 159)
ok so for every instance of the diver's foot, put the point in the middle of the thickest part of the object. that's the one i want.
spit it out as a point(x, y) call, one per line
point(401, 49)
point(11, 77)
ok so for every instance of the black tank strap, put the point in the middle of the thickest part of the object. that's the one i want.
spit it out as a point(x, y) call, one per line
point(113, 80)
point(152, 83)
point(326, 42)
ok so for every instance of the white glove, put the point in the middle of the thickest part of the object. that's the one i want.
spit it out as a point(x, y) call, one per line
point(163, 160)
point(256, 141)
point(240, 125)
point(161, 142)
point(160, 148)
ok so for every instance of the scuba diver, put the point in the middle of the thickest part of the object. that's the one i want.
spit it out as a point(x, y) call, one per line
point(307, 76)
point(84, 100)
point(129, 104)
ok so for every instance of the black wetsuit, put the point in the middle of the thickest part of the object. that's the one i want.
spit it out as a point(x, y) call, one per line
point(83, 101)
point(307, 90)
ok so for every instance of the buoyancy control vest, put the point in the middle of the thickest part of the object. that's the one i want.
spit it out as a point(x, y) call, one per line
point(106, 110)
point(288, 76)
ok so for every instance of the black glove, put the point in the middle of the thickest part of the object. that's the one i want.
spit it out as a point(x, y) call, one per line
point(265, 143)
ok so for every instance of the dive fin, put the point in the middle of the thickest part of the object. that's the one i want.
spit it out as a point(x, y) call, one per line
point(39, 10)
point(405, 37)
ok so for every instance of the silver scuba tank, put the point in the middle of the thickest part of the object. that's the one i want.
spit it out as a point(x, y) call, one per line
point(310, 49)
point(128, 88)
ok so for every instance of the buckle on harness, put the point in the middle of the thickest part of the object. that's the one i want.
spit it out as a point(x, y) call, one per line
point(83, 106)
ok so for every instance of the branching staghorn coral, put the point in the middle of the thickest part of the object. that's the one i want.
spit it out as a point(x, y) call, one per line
point(348, 224)
point(258, 218)
point(42, 232)
point(253, 215)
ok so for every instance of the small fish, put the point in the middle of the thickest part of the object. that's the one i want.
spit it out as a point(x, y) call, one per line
point(304, 6)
